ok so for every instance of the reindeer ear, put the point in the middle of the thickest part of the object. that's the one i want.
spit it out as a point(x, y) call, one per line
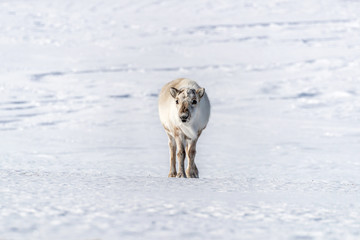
point(200, 92)
point(173, 92)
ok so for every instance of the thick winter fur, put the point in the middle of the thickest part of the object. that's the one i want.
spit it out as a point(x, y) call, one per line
point(184, 110)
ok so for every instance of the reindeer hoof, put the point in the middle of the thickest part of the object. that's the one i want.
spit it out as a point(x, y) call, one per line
point(172, 174)
point(181, 175)
point(192, 173)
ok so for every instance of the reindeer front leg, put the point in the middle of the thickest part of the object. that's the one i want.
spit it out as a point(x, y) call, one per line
point(191, 171)
point(172, 146)
point(180, 156)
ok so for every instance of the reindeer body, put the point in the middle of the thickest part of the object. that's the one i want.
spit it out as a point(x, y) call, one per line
point(184, 110)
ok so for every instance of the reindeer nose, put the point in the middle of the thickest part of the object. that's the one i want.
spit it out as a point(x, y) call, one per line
point(184, 118)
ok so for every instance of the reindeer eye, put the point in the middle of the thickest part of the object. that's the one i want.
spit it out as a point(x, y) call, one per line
point(194, 102)
point(177, 101)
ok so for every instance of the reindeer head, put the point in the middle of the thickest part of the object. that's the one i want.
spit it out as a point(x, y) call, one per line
point(186, 100)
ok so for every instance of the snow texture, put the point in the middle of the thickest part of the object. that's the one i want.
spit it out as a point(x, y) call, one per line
point(83, 153)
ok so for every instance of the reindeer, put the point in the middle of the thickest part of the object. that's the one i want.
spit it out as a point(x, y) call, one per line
point(184, 110)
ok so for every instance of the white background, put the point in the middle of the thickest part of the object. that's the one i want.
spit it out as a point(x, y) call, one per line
point(83, 154)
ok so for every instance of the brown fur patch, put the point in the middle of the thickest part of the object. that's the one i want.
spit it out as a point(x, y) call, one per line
point(177, 132)
point(166, 128)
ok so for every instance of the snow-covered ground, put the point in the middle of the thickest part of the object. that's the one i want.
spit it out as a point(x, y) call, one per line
point(84, 156)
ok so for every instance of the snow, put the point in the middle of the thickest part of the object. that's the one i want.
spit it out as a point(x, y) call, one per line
point(83, 153)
